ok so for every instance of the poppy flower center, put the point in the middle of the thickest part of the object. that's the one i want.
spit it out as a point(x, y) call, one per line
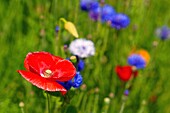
point(47, 73)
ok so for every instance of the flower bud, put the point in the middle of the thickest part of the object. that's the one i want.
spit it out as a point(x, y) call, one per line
point(70, 27)
point(21, 104)
point(107, 100)
point(73, 59)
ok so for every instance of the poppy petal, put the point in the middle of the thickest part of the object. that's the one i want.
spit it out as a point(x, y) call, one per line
point(124, 72)
point(64, 70)
point(41, 82)
point(39, 61)
point(56, 58)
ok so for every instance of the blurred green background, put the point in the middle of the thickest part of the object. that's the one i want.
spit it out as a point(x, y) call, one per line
point(29, 25)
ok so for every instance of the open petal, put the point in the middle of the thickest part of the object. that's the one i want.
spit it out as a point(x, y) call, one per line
point(124, 72)
point(64, 70)
point(57, 59)
point(39, 61)
point(41, 82)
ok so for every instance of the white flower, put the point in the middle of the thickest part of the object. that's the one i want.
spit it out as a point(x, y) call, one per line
point(82, 48)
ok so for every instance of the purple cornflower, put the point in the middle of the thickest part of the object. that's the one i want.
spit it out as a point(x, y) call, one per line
point(120, 21)
point(126, 92)
point(107, 13)
point(163, 32)
point(57, 28)
point(95, 11)
point(137, 60)
point(102, 13)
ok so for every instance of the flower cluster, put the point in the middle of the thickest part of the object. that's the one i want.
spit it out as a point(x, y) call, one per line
point(137, 60)
point(81, 49)
point(163, 33)
point(105, 13)
point(53, 73)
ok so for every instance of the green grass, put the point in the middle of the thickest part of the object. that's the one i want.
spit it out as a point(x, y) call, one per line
point(22, 24)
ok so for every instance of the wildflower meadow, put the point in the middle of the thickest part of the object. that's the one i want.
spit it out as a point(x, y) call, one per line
point(84, 56)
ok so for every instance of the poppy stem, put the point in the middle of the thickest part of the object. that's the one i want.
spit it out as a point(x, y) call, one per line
point(122, 107)
point(22, 110)
point(124, 98)
point(48, 102)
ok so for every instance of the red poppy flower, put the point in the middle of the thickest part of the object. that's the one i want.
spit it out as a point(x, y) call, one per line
point(125, 72)
point(44, 70)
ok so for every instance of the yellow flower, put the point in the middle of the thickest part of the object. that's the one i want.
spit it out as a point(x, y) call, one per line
point(70, 27)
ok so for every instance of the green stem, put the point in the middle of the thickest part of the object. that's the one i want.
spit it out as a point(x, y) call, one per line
point(129, 83)
point(63, 20)
point(51, 6)
point(122, 107)
point(142, 107)
point(48, 102)
point(76, 10)
point(58, 45)
point(96, 100)
point(22, 110)
point(141, 110)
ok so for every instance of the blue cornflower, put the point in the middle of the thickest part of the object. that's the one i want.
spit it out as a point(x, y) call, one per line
point(75, 82)
point(68, 59)
point(95, 11)
point(120, 21)
point(163, 32)
point(137, 60)
point(94, 5)
point(67, 84)
point(80, 65)
point(78, 80)
point(86, 5)
point(107, 13)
